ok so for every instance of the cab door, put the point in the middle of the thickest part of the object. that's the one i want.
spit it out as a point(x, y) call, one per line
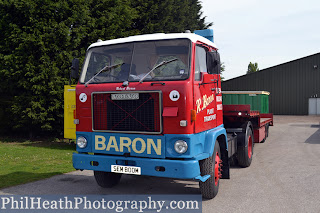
point(69, 111)
point(204, 92)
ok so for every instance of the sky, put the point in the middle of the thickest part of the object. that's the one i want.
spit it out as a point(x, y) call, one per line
point(267, 32)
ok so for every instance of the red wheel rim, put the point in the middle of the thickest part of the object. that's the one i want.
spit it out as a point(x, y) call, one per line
point(217, 169)
point(249, 146)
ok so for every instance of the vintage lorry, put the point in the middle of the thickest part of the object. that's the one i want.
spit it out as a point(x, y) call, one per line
point(152, 105)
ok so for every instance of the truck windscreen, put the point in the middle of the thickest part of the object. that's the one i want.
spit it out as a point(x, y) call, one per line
point(137, 59)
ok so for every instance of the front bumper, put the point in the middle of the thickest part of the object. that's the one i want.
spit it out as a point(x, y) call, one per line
point(179, 169)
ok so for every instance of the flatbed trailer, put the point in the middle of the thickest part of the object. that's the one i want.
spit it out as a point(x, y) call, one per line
point(245, 127)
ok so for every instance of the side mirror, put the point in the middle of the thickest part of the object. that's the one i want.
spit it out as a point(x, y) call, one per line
point(75, 68)
point(213, 62)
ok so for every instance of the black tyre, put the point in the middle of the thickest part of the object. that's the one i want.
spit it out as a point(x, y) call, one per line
point(107, 179)
point(267, 130)
point(266, 133)
point(211, 166)
point(245, 150)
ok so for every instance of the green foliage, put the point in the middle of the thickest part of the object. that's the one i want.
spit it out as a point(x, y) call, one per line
point(39, 39)
point(223, 67)
point(252, 67)
point(168, 16)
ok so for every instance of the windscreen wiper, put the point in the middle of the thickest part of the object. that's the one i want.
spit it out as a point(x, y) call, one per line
point(106, 68)
point(159, 65)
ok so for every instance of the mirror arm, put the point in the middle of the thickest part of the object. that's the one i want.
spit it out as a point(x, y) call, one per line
point(74, 73)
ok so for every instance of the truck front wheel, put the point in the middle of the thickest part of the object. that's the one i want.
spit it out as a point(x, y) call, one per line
point(107, 179)
point(211, 166)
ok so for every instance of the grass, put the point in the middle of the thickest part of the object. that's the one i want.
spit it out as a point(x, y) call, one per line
point(26, 161)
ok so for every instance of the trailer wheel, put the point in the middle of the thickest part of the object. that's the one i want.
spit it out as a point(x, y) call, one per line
point(211, 166)
point(107, 179)
point(266, 133)
point(245, 151)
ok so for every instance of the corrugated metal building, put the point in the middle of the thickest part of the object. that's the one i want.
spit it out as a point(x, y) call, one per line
point(291, 85)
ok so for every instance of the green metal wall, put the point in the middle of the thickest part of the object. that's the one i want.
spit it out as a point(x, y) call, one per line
point(290, 84)
point(258, 102)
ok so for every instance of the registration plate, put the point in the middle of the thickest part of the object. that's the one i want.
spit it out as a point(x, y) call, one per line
point(127, 96)
point(133, 170)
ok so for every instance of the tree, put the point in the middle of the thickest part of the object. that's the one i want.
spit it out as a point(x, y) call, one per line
point(252, 68)
point(39, 39)
point(37, 42)
point(223, 67)
point(168, 16)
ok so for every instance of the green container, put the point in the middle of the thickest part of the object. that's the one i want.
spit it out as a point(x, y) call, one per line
point(258, 100)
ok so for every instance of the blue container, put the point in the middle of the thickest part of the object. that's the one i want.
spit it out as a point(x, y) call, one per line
point(207, 33)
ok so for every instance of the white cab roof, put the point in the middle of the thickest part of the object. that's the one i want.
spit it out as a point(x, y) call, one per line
point(157, 36)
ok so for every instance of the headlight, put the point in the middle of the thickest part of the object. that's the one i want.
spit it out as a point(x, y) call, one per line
point(82, 142)
point(181, 146)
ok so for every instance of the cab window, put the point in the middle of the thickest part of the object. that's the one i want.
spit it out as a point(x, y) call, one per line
point(200, 63)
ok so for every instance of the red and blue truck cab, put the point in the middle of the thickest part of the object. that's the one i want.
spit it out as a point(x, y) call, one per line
point(152, 105)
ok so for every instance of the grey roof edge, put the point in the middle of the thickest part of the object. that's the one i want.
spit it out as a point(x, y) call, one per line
point(272, 67)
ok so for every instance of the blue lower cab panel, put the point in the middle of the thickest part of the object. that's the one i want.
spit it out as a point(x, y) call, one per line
point(180, 169)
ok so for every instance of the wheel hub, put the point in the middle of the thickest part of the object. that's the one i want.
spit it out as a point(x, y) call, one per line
point(250, 146)
point(217, 169)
